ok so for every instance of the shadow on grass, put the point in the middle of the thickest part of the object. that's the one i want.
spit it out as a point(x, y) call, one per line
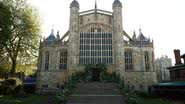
point(150, 100)
point(29, 99)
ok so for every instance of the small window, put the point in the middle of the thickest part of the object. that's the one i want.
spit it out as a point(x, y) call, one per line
point(147, 61)
point(63, 60)
point(128, 60)
point(47, 61)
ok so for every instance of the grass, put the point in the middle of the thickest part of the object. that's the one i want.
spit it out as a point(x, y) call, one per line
point(30, 99)
point(149, 100)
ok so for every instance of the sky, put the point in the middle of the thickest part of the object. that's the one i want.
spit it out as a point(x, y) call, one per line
point(161, 20)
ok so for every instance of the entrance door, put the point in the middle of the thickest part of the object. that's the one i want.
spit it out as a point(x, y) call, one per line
point(95, 75)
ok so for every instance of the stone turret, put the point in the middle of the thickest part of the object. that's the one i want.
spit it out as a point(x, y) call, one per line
point(58, 35)
point(74, 3)
point(73, 43)
point(118, 35)
point(117, 3)
point(134, 36)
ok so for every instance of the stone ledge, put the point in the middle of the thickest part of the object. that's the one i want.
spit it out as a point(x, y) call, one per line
point(52, 70)
point(141, 71)
point(47, 91)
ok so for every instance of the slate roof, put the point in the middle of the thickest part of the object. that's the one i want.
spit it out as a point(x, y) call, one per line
point(51, 38)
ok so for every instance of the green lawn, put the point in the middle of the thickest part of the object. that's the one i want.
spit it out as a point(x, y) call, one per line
point(41, 99)
point(148, 100)
point(30, 99)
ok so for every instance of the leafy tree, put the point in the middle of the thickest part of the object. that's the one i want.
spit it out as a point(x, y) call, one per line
point(5, 28)
point(21, 32)
point(5, 24)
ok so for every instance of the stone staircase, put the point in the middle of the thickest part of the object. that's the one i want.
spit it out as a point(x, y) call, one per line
point(96, 93)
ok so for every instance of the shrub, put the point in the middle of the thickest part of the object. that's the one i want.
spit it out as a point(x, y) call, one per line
point(131, 98)
point(61, 96)
point(110, 77)
point(121, 84)
point(11, 86)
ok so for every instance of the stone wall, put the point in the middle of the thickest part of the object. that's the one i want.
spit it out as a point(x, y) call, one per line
point(50, 79)
point(54, 57)
point(98, 18)
point(138, 57)
point(139, 80)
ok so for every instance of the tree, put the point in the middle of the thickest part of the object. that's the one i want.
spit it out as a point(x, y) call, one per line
point(5, 28)
point(5, 24)
point(23, 36)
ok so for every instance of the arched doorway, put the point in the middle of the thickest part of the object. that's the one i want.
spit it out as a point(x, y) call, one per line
point(95, 74)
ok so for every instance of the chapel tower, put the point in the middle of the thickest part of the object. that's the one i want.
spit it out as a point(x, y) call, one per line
point(118, 35)
point(73, 44)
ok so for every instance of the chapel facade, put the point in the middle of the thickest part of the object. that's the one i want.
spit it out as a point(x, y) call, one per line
point(96, 36)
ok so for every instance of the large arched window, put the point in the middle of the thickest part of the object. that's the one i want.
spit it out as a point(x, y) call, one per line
point(128, 60)
point(147, 61)
point(47, 61)
point(96, 45)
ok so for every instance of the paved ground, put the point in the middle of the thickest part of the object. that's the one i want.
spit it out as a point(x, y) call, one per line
point(96, 93)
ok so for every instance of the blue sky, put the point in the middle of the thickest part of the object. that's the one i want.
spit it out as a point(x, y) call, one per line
point(162, 20)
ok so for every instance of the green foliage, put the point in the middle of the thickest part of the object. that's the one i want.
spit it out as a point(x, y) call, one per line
point(110, 77)
point(150, 100)
point(4, 69)
point(29, 99)
point(21, 32)
point(100, 67)
point(5, 24)
point(131, 98)
point(11, 86)
point(5, 28)
point(27, 69)
point(83, 76)
point(62, 96)
point(121, 84)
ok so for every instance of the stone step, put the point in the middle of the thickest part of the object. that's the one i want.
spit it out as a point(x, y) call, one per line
point(97, 88)
point(96, 99)
point(96, 93)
